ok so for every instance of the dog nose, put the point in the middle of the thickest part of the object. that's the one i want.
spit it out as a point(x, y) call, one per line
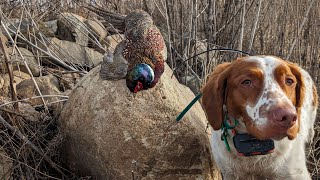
point(284, 117)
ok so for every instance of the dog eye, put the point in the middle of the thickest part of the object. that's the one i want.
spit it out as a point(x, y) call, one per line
point(289, 81)
point(246, 82)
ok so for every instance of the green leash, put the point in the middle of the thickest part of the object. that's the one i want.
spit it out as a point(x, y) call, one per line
point(225, 126)
point(180, 116)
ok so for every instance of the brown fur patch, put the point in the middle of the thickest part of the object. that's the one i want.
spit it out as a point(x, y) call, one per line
point(299, 98)
point(213, 93)
point(223, 88)
point(315, 97)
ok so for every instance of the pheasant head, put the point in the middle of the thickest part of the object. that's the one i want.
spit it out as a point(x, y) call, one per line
point(139, 77)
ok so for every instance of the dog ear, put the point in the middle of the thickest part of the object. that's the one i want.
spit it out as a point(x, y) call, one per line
point(300, 91)
point(300, 87)
point(213, 94)
point(300, 95)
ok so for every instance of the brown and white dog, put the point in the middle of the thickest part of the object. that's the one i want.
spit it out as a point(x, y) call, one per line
point(272, 99)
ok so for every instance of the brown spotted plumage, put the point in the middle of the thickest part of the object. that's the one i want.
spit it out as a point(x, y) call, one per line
point(143, 44)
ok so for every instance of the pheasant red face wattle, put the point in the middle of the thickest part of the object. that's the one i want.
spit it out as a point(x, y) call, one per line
point(138, 87)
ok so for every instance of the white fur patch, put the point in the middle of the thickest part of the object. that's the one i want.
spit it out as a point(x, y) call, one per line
point(271, 88)
point(308, 112)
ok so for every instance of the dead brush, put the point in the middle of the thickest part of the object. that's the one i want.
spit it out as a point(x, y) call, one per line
point(33, 146)
point(313, 152)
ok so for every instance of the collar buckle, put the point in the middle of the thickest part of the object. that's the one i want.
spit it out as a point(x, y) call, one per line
point(245, 144)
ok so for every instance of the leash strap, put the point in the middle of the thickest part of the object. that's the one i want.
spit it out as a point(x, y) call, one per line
point(225, 126)
point(180, 116)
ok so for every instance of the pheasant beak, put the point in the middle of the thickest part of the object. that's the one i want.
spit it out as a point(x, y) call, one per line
point(138, 87)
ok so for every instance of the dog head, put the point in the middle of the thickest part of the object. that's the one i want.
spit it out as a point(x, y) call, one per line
point(264, 92)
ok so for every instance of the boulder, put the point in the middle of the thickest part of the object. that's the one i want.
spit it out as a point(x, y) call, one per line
point(112, 41)
point(18, 76)
point(30, 59)
point(73, 53)
point(93, 58)
point(97, 34)
point(48, 85)
point(66, 80)
point(52, 26)
point(25, 27)
point(30, 114)
point(111, 133)
point(71, 27)
point(192, 82)
point(13, 24)
point(5, 165)
point(97, 29)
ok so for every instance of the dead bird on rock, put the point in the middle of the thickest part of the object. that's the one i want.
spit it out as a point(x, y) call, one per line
point(143, 53)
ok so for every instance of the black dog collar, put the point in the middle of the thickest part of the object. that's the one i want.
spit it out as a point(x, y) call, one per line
point(245, 144)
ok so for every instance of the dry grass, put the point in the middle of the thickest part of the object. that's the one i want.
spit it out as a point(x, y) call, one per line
point(44, 134)
point(313, 152)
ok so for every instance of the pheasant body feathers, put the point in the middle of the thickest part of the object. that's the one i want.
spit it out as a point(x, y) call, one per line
point(144, 50)
point(144, 44)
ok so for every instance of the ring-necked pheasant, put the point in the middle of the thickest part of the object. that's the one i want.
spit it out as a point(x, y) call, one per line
point(143, 49)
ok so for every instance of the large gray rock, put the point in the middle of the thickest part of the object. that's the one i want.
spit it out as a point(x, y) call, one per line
point(112, 41)
point(25, 26)
point(48, 85)
point(73, 53)
point(109, 132)
point(97, 29)
point(92, 57)
point(28, 57)
point(71, 27)
point(52, 26)
point(96, 35)
point(13, 24)
point(18, 76)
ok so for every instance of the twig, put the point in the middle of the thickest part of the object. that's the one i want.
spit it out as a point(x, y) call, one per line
point(20, 162)
point(191, 70)
point(214, 49)
point(169, 32)
point(34, 81)
point(300, 28)
point(30, 144)
point(255, 26)
point(9, 68)
point(195, 30)
point(189, 42)
point(156, 4)
point(12, 112)
point(53, 102)
point(242, 24)
point(34, 97)
point(209, 30)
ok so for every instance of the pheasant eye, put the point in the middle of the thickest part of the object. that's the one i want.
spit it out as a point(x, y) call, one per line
point(246, 83)
point(289, 81)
